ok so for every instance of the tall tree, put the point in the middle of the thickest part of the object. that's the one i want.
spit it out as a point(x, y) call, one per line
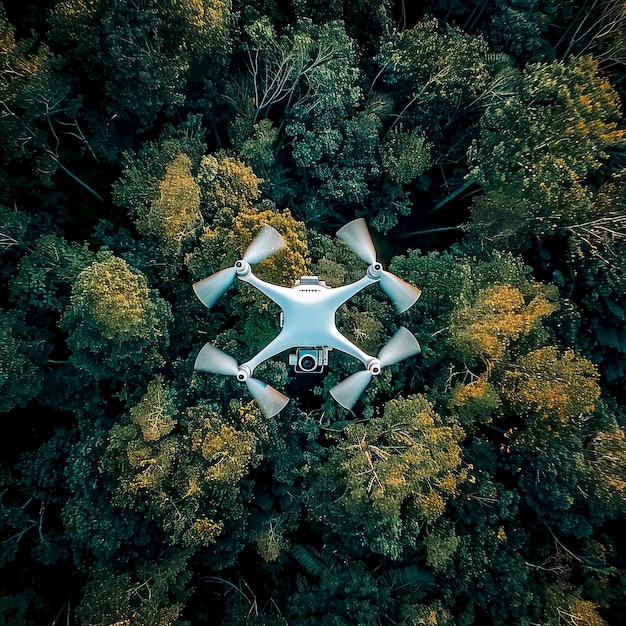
point(115, 325)
point(387, 476)
point(538, 146)
point(135, 59)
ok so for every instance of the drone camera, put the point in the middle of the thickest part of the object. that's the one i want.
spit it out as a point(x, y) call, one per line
point(309, 360)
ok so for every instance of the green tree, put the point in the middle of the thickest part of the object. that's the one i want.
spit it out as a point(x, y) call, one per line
point(387, 474)
point(307, 75)
point(520, 27)
point(437, 72)
point(24, 352)
point(114, 323)
point(40, 115)
point(536, 149)
point(136, 59)
point(175, 215)
point(405, 154)
point(336, 584)
point(150, 594)
point(42, 283)
point(597, 245)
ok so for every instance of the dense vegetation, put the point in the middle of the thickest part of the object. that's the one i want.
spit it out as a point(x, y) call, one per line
point(142, 146)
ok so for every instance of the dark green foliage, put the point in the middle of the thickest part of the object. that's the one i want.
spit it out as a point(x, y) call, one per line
point(23, 353)
point(145, 144)
point(153, 594)
point(348, 595)
point(520, 27)
point(314, 561)
point(136, 59)
point(43, 280)
point(409, 578)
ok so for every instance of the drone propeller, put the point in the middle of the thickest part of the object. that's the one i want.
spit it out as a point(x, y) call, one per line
point(401, 346)
point(266, 243)
point(357, 236)
point(212, 359)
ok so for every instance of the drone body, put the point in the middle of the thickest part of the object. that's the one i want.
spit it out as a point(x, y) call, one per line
point(308, 320)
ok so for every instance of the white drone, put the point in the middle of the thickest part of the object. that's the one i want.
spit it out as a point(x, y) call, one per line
point(308, 320)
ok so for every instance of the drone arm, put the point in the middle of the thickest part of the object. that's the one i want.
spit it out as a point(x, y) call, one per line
point(276, 346)
point(285, 341)
point(339, 342)
point(276, 293)
point(345, 292)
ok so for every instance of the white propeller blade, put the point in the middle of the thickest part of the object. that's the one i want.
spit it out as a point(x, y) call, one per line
point(357, 236)
point(348, 391)
point(402, 295)
point(266, 243)
point(212, 359)
point(211, 288)
point(269, 399)
point(401, 346)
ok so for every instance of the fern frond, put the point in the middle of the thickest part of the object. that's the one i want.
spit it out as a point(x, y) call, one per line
point(499, 60)
point(409, 578)
point(312, 560)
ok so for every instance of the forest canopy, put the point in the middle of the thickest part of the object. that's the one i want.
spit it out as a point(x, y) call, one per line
point(143, 146)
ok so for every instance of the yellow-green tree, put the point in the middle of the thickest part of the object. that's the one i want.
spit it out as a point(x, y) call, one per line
point(223, 243)
point(566, 605)
point(405, 465)
point(114, 322)
point(174, 216)
point(228, 185)
point(606, 455)
point(560, 386)
point(185, 467)
point(116, 298)
point(155, 414)
point(538, 146)
point(230, 198)
point(483, 328)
